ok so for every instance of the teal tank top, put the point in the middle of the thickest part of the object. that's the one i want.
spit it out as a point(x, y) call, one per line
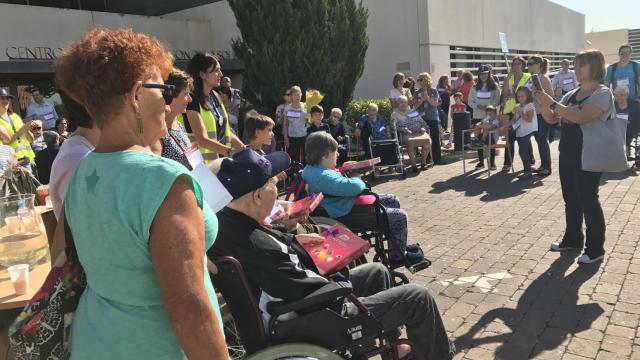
point(110, 205)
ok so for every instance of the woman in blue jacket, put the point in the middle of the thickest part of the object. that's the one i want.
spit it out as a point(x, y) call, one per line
point(321, 176)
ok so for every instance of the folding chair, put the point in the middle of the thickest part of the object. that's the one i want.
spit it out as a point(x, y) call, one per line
point(488, 147)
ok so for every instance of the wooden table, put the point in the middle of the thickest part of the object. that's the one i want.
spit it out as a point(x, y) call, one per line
point(8, 298)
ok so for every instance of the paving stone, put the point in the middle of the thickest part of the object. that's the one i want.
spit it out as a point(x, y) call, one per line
point(617, 345)
point(583, 347)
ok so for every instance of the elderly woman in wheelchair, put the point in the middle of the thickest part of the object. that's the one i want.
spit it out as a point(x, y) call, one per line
point(343, 313)
point(344, 202)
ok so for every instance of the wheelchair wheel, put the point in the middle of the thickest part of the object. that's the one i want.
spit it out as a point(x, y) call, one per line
point(295, 351)
point(234, 344)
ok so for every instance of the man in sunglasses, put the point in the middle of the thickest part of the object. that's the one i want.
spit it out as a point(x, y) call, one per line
point(624, 73)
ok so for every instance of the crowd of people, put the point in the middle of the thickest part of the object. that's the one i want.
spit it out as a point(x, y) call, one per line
point(138, 121)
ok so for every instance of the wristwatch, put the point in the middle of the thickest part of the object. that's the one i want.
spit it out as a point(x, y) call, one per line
point(553, 106)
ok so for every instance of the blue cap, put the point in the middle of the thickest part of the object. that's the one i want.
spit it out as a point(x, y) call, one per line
point(247, 171)
point(484, 69)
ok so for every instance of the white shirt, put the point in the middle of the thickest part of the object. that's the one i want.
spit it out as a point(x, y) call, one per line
point(526, 127)
point(71, 152)
point(45, 112)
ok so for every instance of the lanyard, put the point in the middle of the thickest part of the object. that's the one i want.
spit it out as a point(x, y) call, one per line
point(8, 120)
point(219, 116)
point(176, 141)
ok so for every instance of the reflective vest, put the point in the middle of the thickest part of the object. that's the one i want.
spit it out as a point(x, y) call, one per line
point(21, 145)
point(211, 125)
point(511, 103)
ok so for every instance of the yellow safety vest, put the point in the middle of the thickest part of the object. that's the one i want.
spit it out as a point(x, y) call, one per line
point(211, 125)
point(21, 145)
point(511, 103)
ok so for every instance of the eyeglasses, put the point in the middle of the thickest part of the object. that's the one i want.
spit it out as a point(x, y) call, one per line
point(167, 91)
point(624, 53)
point(37, 128)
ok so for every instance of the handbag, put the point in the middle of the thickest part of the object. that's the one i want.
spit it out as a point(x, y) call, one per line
point(42, 329)
point(604, 142)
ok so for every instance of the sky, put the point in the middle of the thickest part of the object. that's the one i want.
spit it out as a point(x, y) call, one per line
point(601, 15)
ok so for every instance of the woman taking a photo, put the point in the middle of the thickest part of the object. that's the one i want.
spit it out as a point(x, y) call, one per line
point(207, 120)
point(538, 66)
point(139, 223)
point(590, 102)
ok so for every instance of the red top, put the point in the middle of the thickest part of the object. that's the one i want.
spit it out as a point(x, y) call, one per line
point(465, 88)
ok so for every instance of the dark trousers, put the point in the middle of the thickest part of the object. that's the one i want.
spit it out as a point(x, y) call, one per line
point(524, 149)
point(492, 156)
point(542, 138)
point(409, 305)
point(512, 148)
point(296, 149)
point(444, 118)
point(580, 194)
point(434, 130)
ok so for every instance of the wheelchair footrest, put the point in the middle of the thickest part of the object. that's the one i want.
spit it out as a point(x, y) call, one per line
point(419, 266)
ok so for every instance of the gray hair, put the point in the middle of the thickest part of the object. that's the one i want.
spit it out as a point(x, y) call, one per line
point(336, 111)
point(372, 106)
point(402, 98)
point(317, 146)
point(622, 89)
point(50, 138)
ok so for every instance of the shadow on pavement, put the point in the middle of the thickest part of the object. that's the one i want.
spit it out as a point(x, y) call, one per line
point(546, 314)
point(475, 183)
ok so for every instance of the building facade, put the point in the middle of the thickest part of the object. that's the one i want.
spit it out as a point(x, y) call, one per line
point(411, 36)
point(609, 42)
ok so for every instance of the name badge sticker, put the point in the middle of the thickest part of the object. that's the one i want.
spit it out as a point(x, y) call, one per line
point(194, 156)
point(293, 114)
point(623, 81)
point(567, 81)
point(483, 94)
point(623, 116)
point(413, 114)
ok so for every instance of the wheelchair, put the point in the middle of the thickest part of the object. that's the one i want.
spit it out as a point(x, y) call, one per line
point(369, 221)
point(317, 332)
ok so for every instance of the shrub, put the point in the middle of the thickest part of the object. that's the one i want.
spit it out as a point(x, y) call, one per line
point(357, 108)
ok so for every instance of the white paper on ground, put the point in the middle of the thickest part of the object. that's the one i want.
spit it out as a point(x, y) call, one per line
point(214, 193)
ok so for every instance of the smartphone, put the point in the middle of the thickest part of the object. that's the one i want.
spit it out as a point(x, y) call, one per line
point(536, 82)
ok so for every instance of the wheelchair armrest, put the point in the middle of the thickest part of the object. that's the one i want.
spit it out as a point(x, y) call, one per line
point(330, 292)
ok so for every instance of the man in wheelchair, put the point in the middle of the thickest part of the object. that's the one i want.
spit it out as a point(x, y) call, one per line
point(371, 126)
point(279, 270)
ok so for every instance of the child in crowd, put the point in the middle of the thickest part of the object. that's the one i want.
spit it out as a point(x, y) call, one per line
point(483, 130)
point(317, 114)
point(457, 107)
point(259, 131)
point(277, 130)
point(525, 124)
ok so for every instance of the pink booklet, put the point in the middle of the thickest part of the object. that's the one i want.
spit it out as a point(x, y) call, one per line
point(339, 248)
point(295, 209)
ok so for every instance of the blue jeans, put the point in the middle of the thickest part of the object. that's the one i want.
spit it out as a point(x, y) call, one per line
point(542, 138)
point(524, 148)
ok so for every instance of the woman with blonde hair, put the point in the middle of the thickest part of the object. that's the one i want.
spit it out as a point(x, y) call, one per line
point(294, 125)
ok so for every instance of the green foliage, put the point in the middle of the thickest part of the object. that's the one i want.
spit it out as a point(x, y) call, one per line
point(357, 108)
point(318, 44)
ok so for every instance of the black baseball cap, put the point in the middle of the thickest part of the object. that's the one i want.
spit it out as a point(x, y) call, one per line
point(247, 171)
point(484, 69)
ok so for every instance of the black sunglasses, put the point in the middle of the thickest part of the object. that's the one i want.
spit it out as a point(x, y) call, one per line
point(532, 63)
point(167, 91)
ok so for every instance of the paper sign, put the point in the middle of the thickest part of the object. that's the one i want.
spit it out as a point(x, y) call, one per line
point(503, 42)
point(194, 156)
point(214, 193)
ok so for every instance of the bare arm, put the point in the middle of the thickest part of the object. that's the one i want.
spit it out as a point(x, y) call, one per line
point(528, 115)
point(574, 114)
point(177, 253)
point(236, 143)
point(200, 132)
point(546, 85)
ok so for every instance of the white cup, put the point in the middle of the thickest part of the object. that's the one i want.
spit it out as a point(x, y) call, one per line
point(19, 275)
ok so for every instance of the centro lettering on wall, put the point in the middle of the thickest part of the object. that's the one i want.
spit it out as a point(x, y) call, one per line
point(188, 54)
point(31, 53)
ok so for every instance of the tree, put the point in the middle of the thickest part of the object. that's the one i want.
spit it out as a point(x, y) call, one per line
point(318, 44)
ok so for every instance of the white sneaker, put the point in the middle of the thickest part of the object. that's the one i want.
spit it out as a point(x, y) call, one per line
point(559, 247)
point(585, 259)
